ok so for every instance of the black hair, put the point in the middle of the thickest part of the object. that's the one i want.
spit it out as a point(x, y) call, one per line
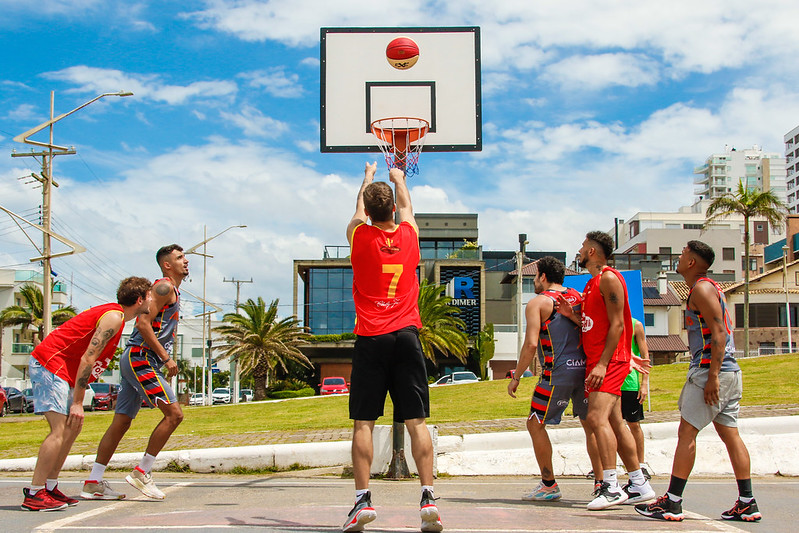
point(553, 268)
point(165, 251)
point(604, 240)
point(703, 251)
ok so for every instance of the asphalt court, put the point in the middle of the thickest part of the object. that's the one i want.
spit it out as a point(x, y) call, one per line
point(303, 504)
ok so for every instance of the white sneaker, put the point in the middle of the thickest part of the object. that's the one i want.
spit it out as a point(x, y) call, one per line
point(99, 490)
point(638, 493)
point(144, 482)
point(605, 497)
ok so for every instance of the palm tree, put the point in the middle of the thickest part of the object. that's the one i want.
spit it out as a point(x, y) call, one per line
point(30, 314)
point(261, 342)
point(441, 329)
point(748, 203)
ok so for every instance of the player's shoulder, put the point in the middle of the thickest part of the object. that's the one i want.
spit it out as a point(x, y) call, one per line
point(163, 287)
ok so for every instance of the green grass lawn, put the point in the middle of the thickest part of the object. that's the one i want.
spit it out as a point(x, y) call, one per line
point(767, 380)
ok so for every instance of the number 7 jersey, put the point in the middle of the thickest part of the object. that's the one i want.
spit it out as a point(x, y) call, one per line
point(385, 286)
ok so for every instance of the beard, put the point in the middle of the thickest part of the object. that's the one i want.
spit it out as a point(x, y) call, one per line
point(583, 262)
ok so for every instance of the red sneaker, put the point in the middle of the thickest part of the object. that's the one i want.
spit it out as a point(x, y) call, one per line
point(41, 501)
point(59, 496)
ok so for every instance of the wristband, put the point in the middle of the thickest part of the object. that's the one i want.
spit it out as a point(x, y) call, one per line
point(515, 379)
point(165, 361)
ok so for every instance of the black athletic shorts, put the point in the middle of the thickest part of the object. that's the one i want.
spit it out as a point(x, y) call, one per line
point(392, 363)
point(631, 409)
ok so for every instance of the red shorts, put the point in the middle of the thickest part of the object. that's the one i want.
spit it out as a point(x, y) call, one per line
point(614, 377)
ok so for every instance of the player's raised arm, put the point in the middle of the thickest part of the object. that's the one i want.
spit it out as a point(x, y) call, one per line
point(403, 197)
point(360, 211)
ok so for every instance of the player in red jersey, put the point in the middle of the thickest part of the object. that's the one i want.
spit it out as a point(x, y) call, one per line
point(388, 356)
point(607, 339)
point(61, 368)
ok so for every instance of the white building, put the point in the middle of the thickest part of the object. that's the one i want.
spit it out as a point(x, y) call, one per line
point(792, 169)
point(758, 169)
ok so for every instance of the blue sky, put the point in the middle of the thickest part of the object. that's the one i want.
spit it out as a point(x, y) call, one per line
point(591, 110)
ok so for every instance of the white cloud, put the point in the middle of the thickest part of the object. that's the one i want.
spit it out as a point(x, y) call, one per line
point(275, 81)
point(254, 123)
point(149, 86)
point(603, 70)
point(22, 112)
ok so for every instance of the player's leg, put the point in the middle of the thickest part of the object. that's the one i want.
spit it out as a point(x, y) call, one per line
point(638, 489)
point(546, 407)
point(600, 406)
point(580, 408)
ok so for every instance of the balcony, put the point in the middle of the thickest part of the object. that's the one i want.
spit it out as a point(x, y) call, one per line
point(21, 348)
point(701, 170)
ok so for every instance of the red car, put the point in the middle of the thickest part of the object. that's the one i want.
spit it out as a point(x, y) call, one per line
point(3, 402)
point(105, 395)
point(333, 385)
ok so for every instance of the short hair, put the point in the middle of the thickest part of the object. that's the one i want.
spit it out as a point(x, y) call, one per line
point(703, 251)
point(604, 241)
point(165, 251)
point(378, 199)
point(131, 289)
point(554, 269)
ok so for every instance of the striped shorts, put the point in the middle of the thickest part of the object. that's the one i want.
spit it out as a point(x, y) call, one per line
point(142, 382)
point(550, 401)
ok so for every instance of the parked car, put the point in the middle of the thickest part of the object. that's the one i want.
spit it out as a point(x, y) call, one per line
point(15, 400)
point(198, 398)
point(221, 395)
point(105, 395)
point(333, 385)
point(28, 393)
point(89, 404)
point(512, 373)
point(245, 395)
point(456, 378)
point(3, 402)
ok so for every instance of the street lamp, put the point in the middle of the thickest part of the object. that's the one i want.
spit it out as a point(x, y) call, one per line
point(193, 250)
point(47, 182)
point(787, 301)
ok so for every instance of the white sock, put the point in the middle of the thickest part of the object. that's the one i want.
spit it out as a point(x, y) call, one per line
point(50, 484)
point(430, 488)
point(642, 465)
point(98, 471)
point(359, 493)
point(36, 488)
point(637, 477)
point(745, 500)
point(610, 478)
point(146, 463)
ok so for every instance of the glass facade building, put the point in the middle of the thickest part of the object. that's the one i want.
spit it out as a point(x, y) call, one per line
point(329, 308)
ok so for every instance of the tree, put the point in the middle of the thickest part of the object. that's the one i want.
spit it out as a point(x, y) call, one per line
point(30, 314)
point(261, 342)
point(441, 330)
point(484, 349)
point(749, 203)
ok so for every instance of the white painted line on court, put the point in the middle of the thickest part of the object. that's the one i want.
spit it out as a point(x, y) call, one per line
point(718, 524)
point(64, 523)
point(267, 527)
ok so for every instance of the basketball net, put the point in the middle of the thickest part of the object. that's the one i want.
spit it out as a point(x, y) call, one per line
point(401, 140)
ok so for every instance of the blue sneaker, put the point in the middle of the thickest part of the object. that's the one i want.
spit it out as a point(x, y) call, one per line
point(543, 493)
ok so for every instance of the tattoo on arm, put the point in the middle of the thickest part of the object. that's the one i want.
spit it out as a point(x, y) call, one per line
point(83, 380)
point(613, 298)
point(162, 289)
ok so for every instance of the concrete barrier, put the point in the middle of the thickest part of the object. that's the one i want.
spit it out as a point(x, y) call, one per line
point(770, 441)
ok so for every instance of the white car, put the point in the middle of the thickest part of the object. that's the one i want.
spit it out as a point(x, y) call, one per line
point(245, 395)
point(88, 400)
point(221, 395)
point(198, 398)
point(456, 378)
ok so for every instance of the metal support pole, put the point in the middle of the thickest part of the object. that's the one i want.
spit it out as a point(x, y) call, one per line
point(787, 300)
point(234, 367)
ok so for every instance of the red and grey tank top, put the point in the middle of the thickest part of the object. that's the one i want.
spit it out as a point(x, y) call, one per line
point(596, 323)
point(560, 350)
point(699, 336)
point(61, 351)
point(165, 326)
point(385, 286)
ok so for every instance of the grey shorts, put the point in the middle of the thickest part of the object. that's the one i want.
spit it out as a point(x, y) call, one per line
point(696, 412)
point(142, 381)
point(550, 401)
point(50, 392)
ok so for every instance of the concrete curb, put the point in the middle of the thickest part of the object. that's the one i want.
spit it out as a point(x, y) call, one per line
point(508, 453)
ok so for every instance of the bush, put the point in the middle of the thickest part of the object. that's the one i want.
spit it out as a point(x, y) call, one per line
point(283, 394)
point(286, 385)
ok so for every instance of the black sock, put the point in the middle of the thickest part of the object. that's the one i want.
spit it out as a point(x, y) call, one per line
point(549, 483)
point(745, 488)
point(677, 485)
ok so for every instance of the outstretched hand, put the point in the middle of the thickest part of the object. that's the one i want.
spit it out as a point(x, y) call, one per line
point(396, 175)
point(639, 364)
point(369, 171)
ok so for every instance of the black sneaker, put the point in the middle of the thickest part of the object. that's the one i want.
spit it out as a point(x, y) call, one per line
point(662, 508)
point(745, 512)
point(361, 514)
point(431, 519)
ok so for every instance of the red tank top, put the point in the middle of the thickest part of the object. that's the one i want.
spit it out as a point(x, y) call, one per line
point(60, 352)
point(596, 323)
point(385, 286)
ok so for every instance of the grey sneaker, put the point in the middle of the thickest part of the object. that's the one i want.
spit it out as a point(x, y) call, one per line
point(99, 490)
point(431, 519)
point(605, 497)
point(144, 482)
point(361, 514)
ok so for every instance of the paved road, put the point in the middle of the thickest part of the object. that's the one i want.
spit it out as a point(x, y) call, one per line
point(312, 501)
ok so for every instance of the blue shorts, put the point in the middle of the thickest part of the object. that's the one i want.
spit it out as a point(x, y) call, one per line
point(142, 381)
point(50, 392)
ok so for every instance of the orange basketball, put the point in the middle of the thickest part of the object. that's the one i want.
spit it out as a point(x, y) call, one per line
point(402, 53)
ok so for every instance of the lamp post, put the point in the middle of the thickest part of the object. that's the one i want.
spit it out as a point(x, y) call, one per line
point(46, 179)
point(207, 340)
point(787, 301)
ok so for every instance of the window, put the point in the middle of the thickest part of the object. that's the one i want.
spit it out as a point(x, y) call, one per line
point(692, 226)
point(728, 254)
point(665, 250)
point(649, 319)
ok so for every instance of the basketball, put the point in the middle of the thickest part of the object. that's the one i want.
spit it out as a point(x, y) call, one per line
point(402, 53)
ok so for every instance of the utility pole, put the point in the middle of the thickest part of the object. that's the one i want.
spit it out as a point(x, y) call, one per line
point(519, 278)
point(234, 367)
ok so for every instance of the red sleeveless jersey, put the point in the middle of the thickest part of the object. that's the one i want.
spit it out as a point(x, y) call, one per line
point(596, 323)
point(61, 351)
point(385, 286)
